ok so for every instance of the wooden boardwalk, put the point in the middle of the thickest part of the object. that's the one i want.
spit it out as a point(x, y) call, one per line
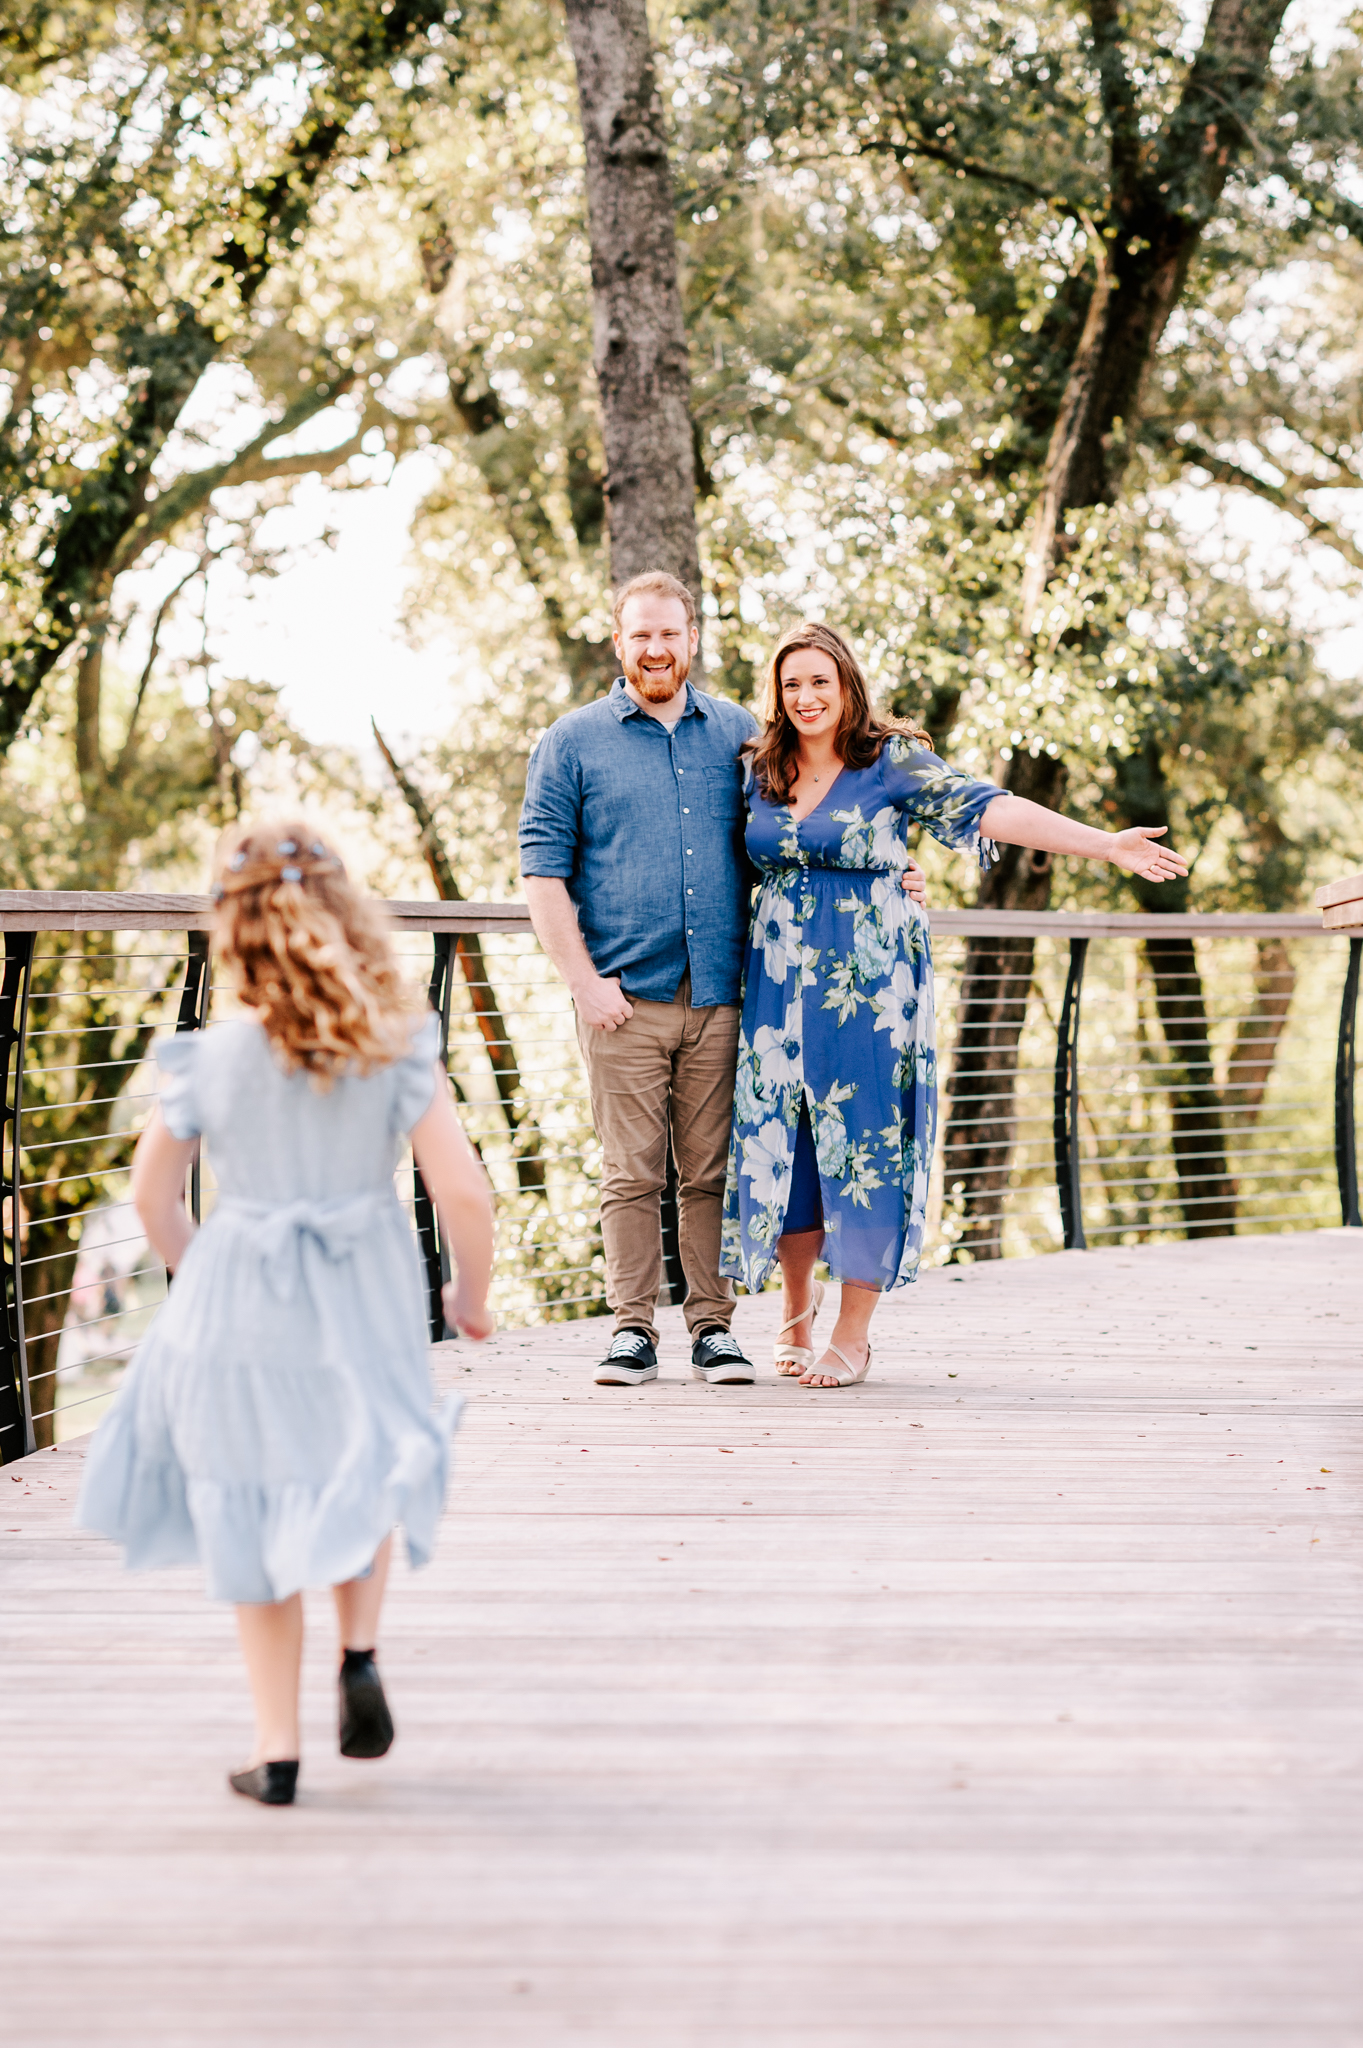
point(1014, 1698)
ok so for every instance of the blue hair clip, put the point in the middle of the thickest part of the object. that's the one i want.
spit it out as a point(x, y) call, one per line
point(287, 846)
point(237, 863)
point(217, 892)
point(291, 874)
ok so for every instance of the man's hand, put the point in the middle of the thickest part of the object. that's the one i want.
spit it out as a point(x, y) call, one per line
point(916, 882)
point(1134, 850)
point(602, 1003)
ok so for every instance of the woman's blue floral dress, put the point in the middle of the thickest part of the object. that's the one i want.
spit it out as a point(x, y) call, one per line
point(838, 1017)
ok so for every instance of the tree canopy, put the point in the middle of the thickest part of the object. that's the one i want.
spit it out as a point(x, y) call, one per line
point(981, 303)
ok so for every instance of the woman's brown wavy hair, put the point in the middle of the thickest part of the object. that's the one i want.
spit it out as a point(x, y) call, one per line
point(861, 734)
point(308, 952)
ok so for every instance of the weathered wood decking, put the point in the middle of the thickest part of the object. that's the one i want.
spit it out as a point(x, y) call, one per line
point(1018, 1707)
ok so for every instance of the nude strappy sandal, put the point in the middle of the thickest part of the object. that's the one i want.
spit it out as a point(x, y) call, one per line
point(793, 1359)
point(845, 1375)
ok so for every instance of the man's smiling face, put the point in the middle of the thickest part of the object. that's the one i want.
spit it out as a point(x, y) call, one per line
point(655, 644)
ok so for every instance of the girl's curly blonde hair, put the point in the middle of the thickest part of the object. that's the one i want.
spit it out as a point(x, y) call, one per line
point(308, 952)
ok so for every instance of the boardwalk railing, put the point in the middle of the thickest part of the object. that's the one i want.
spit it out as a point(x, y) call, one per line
point(1103, 1080)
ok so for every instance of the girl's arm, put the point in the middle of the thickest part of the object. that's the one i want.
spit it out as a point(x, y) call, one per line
point(458, 1186)
point(1019, 822)
point(160, 1164)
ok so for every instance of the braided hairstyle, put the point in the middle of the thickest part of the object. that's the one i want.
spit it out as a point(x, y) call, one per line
point(309, 954)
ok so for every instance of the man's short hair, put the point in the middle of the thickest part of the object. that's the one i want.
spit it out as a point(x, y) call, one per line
point(653, 583)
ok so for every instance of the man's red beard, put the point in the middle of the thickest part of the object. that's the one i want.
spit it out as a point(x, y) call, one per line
point(659, 687)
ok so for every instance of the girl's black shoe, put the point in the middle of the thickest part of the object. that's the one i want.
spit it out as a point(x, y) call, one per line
point(273, 1784)
point(366, 1724)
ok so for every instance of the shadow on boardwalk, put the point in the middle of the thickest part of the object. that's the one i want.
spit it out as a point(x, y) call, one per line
point(1017, 1707)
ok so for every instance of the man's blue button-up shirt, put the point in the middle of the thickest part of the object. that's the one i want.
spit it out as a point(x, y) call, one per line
point(644, 822)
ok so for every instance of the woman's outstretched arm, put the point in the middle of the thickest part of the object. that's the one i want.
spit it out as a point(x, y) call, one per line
point(458, 1186)
point(1018, 822)
point(160, 1164)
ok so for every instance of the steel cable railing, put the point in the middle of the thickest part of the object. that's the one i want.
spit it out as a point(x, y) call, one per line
point(1111, 1088)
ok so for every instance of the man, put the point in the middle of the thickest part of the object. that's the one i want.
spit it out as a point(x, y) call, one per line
point(634, 869)
point(635, 874)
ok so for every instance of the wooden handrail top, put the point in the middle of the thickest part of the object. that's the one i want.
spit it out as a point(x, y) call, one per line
point(80, 910)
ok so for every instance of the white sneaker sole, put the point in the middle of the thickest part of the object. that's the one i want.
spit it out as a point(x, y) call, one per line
point(728, 1374)
point(611, 1373)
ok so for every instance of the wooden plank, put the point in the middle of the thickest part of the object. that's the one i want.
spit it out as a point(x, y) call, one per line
point(1064, 924)
point(81, 910)
point(1348, 889)
point(1011, 1697)
point(1343, 917)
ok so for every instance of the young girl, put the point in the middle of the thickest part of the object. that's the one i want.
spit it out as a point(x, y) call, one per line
point(277, 1421)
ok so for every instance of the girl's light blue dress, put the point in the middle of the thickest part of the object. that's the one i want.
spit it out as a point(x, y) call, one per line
point(838, 1020)
point(277, 1421)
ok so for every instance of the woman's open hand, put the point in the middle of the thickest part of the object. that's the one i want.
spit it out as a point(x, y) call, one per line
point(1135, 851)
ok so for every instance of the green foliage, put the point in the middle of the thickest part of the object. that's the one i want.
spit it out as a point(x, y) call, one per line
point(163, 169)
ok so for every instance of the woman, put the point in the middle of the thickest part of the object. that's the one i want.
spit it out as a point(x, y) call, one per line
point(835, 1102)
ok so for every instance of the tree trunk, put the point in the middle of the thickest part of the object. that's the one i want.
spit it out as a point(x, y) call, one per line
point(1206, 1189)
point(996, 980)
point(1163, 191)
point(639, 343)
point(1258, 1033)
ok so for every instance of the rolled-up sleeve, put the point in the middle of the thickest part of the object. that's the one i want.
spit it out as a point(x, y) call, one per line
point(551, 816)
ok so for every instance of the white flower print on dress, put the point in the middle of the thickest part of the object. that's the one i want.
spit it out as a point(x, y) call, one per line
point(776, 932)
point(837, 1011)
point(776, 1049)
point(747, 1098)
point(767, 1158)
point(898, 1006)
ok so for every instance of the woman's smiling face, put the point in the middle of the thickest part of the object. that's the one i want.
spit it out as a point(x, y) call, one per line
point(811, 692)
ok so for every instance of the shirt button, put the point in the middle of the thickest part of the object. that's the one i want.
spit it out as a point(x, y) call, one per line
point(688, 849)
point(690, 892)
point(685, 812)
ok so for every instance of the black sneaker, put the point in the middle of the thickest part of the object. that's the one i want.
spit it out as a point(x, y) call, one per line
point(717, 1355)
point(630, 1361)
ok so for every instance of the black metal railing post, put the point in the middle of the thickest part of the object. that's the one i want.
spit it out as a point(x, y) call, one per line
point(194, 998)
point(1346, 1137)
point(16, 1407)
point(1066, 1122)
point(435, 1255)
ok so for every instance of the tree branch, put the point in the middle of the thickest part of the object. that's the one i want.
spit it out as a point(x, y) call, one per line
point(1119, 101)
point(163, 611)
point(525, 1134)
point(969, 167)
point(191, 493)
point(1284, 496)
point(483, 418)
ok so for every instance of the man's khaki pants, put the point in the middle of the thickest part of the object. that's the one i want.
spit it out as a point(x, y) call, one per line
point(667, 1060)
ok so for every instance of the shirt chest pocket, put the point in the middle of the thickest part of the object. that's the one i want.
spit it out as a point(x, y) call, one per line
point(723, 791)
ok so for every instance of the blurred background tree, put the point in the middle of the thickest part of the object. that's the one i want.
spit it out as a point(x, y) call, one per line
point(962, 287)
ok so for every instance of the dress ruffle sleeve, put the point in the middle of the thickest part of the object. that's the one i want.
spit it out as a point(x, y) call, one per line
point(947, 802)
point(414, 1074)
point(177, 1060)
